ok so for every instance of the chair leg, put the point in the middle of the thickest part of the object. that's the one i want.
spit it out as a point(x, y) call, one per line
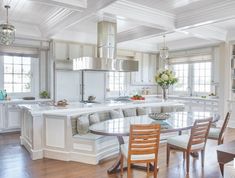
point(168, 154)
point(155, 170)
point(202, 157)
point(147, 169)
point(220, 141)
point(129, 170)
point(187, 161)
point(121, 166)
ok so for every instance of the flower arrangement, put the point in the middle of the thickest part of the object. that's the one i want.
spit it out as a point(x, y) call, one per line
point(165, 78)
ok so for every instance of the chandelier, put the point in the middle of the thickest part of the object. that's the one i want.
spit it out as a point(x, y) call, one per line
point(164, 51)
point(7, 31)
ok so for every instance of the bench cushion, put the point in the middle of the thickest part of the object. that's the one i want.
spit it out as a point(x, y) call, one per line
point(88, 136)
point(155, 109)
point(214, 133)
point(83, 124)
point(116, 114)
point(129, 112)
point(104, 115)
point(142, 111)
point(94, 118)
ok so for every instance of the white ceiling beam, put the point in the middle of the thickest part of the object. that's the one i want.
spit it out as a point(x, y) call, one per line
point(74, 18)
point(76, 5)
point(137, 33)
point(142, 14)
point(208, 32)
point(208, 15)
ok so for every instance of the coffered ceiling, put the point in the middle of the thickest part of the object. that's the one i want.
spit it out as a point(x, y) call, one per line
point(141, 24)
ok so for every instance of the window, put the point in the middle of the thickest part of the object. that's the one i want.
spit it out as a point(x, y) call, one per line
point(17, 74)
point(202, 77)
point(116, 82)
point(181, 72)
point(194, 74)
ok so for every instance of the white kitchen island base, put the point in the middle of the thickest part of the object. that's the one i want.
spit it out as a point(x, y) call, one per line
point(47, 132)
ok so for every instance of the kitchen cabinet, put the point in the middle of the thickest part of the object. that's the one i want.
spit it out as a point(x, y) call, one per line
point(69, 50)
point(61, 51)
point(2, 113)
point(152, 69)
point(136, 77)
point(11, 115)
point(147, 69)
point(88, 51)
point(75, 51)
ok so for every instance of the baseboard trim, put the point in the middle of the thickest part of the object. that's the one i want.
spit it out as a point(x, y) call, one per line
point(34, 154)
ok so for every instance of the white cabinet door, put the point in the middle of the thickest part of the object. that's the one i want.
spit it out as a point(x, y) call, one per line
point(74, 51)
point(67, 85)
point(152, 68)
point(145, 68)
point(2, 116)
point(88, 51)
point(136, 77)
point(13, 117)
point(61, 51)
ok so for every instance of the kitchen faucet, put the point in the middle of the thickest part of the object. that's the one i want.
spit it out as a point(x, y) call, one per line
point(190, 91)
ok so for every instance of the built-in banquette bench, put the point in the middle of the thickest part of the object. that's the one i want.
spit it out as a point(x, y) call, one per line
point(90, 148)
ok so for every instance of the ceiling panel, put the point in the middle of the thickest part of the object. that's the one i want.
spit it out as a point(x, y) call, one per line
point(29, 12)
point(175, 6)
point(226, 25)
point(169, 37)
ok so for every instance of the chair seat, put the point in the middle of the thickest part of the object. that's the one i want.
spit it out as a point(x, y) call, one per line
point(214, 133)
point(124, 150)
point(182, 142)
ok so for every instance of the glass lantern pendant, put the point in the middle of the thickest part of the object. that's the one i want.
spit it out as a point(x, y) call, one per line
point(164, 51)
point(7, 31)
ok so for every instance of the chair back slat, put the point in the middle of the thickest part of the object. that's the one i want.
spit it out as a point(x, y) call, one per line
point(199, 132)
point(225, 124)
point(144, 139)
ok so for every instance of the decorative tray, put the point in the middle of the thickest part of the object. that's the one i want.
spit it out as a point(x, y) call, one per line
point(159, 116)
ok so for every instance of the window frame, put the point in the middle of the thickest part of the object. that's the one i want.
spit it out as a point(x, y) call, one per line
point(191, 79)
point(34, 75)
point(117, 93)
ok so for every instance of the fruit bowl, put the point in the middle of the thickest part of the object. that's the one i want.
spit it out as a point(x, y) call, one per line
point(137, 98)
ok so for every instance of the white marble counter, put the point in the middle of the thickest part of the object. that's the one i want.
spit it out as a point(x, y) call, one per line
point(21, 101)
point(76, 107)
point(178, 97)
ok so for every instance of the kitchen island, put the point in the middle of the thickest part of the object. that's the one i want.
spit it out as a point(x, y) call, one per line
point(47, 131)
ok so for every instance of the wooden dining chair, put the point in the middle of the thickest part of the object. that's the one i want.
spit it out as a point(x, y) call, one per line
point(142, 147)
point(194, 142)
point(218, 133)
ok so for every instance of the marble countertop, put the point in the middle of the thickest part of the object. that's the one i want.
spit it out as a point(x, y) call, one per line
point(21, 101)
point(208, 98)
point(78, 108)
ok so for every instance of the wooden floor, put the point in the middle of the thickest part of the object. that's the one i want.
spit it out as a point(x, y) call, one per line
point(16, 163)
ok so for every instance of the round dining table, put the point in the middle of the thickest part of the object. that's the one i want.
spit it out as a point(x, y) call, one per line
point(175, 122)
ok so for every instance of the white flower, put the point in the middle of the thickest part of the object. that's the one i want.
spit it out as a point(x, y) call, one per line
point(164, 77)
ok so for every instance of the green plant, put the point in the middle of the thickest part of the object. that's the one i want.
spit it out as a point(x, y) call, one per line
point(44, 94)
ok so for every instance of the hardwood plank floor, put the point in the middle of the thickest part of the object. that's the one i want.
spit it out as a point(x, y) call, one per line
point(16, 163)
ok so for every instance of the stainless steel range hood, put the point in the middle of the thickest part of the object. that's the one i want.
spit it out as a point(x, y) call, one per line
point(106, 51)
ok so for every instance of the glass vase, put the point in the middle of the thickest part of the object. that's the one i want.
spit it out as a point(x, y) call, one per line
point(164, 94)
